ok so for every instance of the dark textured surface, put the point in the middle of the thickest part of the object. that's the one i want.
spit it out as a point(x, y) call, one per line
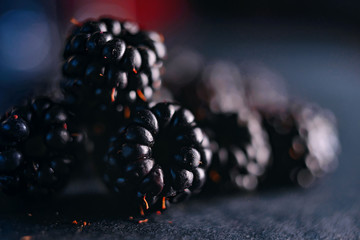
point(319, 63)
point(320, 213)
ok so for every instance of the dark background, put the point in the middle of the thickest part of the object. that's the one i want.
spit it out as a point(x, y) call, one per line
point(313, 46)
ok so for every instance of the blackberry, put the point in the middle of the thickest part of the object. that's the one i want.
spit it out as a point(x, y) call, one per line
point(241, 152)
point(215, 88)
point(111, 62)
point(37, 147)
point(159, 156)
point(216, 95)
point(264, 88)
point(304, 142)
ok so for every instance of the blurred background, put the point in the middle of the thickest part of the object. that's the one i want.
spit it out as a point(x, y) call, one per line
point(312, 46)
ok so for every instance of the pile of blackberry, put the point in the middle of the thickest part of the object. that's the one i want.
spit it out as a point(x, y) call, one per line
point(109, 67)
point(259, 137)
point(38, 144)
point(218, 136)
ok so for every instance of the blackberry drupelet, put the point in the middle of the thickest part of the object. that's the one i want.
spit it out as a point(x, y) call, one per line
point(111, 62)
point(38, 145)
point(241, 152)
point(159, 156)
point(304, 142)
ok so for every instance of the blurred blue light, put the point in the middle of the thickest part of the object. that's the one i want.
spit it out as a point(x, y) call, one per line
point(24, 40)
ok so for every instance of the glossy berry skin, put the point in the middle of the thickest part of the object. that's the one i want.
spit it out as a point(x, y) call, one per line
point(241, 152)
point(37, 147)
point(159, 156)
point(111, 62)
point(304, 141)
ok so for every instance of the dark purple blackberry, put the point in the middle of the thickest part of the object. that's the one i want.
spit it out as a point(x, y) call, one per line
point(264, 88)
point(215, 93)
point(159, 156)
point(111, 62)
point(37, 147)
point(215, 88)
point(304, 142)
point(241, 152)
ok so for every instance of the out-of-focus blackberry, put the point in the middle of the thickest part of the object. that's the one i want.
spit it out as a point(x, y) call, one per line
point(216, 95)
point(215, 88)
point(109, 61)
point(304, 142)
point(37, 147)
point(241, 152)
point(264, 88)
point(159, 156)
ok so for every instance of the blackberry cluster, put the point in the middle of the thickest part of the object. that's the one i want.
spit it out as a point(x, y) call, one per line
point(38, 142)
point(110, 67)
point(111, 62)
point(154, 154)
point(304, 143)
point(160, 155)
point(241, 152)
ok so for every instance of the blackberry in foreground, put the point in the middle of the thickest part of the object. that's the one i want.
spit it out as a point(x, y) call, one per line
point(159, 156)
point(304, 142)
point(241, 152)
point(111, 62)
point(37, 147)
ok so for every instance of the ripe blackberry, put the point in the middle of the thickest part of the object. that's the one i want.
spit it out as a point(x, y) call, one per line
point(215, 93)
point(37, 147)
point(109, 61)
point(264, 88)
point(241, 152)
point(304, 142)
point(215, 88)
point(159, 156)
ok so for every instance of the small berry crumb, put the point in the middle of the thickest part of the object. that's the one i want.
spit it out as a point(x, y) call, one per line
point(143, 221)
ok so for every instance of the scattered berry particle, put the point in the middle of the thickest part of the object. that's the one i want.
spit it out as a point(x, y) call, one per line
point(143, 221)
point(127, 112)
point(146, 203)
point(141, 95)
point(75, 22)
point(214, 176)
point(141, 211)
point(163, 206)
point(26, 238)
point(113, 91)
